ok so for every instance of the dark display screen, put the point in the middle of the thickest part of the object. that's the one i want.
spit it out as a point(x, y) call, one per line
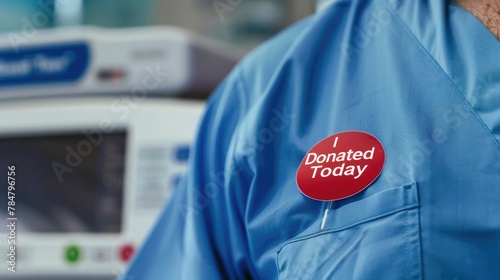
point(66, 183)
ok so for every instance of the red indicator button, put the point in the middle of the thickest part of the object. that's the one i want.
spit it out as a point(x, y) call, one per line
point(341, 166)
point(126, 252)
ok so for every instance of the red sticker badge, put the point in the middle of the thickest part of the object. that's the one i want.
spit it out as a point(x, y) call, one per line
point(341, 166)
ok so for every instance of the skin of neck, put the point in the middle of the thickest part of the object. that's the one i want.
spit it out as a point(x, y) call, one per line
point(486, 11)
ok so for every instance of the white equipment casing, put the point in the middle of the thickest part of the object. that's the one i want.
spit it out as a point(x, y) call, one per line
point(91, 82)
point(164, 60)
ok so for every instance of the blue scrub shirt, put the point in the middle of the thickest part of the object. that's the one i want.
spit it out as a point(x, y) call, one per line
point(421, 76)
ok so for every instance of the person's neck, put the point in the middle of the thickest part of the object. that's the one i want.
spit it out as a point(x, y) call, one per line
point(486, 11)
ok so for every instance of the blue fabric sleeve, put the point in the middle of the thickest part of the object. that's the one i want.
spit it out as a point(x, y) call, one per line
point(200, 233)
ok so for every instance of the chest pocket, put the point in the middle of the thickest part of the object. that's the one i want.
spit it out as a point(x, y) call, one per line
point(377, 237)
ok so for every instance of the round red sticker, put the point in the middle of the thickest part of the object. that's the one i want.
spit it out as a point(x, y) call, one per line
point(341, 166)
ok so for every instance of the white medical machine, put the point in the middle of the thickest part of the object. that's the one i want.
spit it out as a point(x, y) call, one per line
point(95, 129)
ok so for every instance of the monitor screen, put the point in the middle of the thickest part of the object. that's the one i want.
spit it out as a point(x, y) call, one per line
point(66, 182)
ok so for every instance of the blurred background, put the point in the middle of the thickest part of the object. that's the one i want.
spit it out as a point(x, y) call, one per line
point(242, 23)
point(99, 103)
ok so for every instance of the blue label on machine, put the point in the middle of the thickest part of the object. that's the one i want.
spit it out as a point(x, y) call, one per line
point(47, 64)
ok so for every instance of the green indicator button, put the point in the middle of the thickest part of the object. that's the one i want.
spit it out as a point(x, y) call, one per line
point(72, 254)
